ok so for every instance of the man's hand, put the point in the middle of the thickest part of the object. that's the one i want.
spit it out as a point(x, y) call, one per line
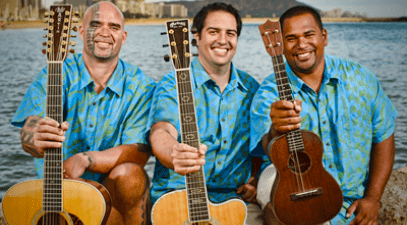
point(248, 191)
point(39, 134)
point(368, 211)
point(285, 116)
point(76, 165)
point(187, 159)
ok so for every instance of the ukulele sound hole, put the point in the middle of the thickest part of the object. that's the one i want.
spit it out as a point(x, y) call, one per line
point(52, 218)
point(299, 162)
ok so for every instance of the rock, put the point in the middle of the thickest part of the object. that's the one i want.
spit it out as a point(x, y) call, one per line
point(393, 209)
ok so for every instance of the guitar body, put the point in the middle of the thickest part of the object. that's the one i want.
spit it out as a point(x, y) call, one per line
point(313, 199)
point(84, 202)
point(171, 208)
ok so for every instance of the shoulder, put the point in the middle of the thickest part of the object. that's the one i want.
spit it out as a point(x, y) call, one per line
point(248, 81)
point(349, 70)
point(134, 73)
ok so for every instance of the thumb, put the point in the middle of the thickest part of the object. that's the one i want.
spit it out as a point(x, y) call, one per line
point(240, 189)
point(351, 209)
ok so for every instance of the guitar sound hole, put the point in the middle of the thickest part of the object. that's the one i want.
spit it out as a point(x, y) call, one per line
point(299, 162)
point(52, 218)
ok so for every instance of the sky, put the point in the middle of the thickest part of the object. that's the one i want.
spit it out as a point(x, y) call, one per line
point(372, 8)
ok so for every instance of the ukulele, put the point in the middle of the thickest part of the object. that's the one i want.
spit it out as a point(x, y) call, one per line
point(54, 200)
point(303, 192)
point(191, 205)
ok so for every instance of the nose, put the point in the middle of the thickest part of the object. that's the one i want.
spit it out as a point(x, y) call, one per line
point(222, 38)
point(301, 42)
point(104, 31)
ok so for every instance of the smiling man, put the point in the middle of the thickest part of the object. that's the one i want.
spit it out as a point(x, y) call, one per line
point(222, 100)
point(339, 100)
point(105, 108)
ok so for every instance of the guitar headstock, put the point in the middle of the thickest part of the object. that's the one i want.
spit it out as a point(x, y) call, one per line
point(59, 27)
point(178, 37)
point(272, 37)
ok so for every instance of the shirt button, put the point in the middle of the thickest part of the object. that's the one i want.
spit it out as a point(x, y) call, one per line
point(91, 125)
point(223, 120)
point(88, 148)
point(324, 122)
point(327, 144)
point(219, 162)
point(224, 141)
point(94, 103)
point(330, 166)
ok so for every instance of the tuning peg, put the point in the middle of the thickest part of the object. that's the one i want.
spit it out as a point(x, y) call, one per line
point(73, 43)
point(167, 58)
point(46, 28)
point(195, 55)
point(72, 36)
point(44, 43)
point(45, 20)
point(163, 33)
point(75, 20)
point(193, 42)
point(44, 51)
point(166, 45)
point(45, 36)
point(76, 14)
point(46, 13)
point(194, 30)
point(74, 29)
point(72, 51)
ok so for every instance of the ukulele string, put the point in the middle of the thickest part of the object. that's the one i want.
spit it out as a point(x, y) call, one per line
point(298, 177)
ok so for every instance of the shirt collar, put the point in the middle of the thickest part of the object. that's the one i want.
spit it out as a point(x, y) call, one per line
point(115, 82)
point(201, 76)
point(330, 75)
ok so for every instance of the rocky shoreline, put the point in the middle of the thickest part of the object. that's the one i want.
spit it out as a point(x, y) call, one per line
point(393, 205)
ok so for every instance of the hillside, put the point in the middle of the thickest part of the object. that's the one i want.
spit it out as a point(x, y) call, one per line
point(257, 8)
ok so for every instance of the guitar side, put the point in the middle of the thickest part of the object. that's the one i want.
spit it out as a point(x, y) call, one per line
point(315, 208)
point(86, 202)
point(171, 209)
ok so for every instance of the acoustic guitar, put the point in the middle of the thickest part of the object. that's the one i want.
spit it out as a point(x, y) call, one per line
point(191, 205)
point(303, 192)
point(54, 200)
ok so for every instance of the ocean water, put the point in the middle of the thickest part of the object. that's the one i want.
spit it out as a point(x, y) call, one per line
point(381, 47)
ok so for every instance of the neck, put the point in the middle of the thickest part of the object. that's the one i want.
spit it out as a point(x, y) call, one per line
point(219, 74)
point(100, 70)
point(314, 78)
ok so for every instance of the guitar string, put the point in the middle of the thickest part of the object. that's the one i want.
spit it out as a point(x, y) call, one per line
point(195, 179)
point(298, 176)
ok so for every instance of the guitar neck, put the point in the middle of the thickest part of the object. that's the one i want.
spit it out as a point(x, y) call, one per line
point(195, 182)
point(295, 142)
point(52, 190)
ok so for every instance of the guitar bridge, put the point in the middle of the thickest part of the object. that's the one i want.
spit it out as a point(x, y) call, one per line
point(306, 194)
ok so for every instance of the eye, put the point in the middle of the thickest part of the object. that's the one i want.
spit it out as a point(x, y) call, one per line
point(231, 34)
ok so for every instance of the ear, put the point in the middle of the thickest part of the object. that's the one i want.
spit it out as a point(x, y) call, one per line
point(197, 38)
point(124, 37)
point(325, 36)
point(80, 31)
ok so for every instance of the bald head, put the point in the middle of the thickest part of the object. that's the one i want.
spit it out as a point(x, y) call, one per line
point(94, 10)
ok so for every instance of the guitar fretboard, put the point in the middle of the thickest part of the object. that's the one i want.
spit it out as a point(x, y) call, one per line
point(195, 182)
point(52, 190)
point(294, 138)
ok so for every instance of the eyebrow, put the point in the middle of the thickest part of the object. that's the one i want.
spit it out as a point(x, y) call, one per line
point(215, 28)
point(110, 23)
point(293, 35)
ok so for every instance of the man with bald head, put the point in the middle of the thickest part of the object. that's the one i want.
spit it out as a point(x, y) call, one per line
point(105, 108)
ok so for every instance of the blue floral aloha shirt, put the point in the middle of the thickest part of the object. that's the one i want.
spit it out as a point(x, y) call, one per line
point(350, 113)
point(224, 126)
point(116, 116)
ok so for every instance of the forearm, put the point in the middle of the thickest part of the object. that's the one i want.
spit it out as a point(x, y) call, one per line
point(104, 161)
point(162, 141)
point(381, 166)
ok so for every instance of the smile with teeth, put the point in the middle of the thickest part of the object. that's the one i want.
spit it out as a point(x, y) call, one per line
point(304, 55)
point(222, 50)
